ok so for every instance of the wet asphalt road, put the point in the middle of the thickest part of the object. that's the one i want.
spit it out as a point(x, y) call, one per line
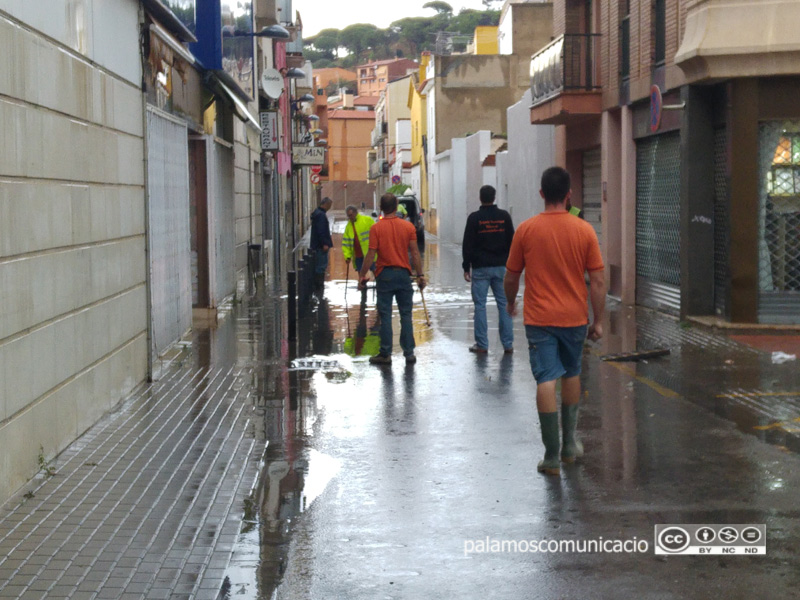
point(377, 479)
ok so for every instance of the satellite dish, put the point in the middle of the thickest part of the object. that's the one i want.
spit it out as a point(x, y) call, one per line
point(272, 83)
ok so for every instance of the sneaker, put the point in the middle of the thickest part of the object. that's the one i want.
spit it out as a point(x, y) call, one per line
point(508, 350)
point(411, 359)
point(380, 359)
point(477, 349)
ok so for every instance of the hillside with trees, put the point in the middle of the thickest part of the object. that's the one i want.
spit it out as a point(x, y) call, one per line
point(406, 37)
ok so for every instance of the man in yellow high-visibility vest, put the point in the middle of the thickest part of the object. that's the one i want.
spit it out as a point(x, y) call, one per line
point(355, 243)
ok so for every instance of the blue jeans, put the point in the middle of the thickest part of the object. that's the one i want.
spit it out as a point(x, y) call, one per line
point(320, 261)
point(390, 284)
point(555, 352)
point(482, 279)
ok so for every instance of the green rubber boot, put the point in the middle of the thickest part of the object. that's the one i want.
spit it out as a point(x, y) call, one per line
point(552, 444)
point(572, 448)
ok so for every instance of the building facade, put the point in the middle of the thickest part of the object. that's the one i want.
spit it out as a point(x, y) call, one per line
point(693, 134)
point(373, 77)
point(131, 201)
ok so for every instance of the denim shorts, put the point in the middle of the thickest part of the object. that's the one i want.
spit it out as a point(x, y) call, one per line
point(555, 352)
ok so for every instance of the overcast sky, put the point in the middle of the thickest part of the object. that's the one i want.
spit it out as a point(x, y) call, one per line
point(321, 14)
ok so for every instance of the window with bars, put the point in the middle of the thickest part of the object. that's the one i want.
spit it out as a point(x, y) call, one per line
point(780, 256)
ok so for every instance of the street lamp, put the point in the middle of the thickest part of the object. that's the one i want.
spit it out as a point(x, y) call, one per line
point(275, 32)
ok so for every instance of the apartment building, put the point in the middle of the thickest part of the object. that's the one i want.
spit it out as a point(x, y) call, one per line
point(374, 76)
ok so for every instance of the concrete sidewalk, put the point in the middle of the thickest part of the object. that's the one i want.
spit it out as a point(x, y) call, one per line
point(148, 503)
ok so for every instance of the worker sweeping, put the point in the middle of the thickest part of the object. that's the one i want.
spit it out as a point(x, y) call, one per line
point(355, 242)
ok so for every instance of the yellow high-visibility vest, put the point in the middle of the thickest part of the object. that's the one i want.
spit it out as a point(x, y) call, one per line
point(363, 225)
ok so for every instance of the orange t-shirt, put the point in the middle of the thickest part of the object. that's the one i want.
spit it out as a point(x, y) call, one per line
point(390, 238)
point(555, 250)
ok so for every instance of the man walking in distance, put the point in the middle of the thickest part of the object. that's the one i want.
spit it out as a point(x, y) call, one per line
point(393, 239)
point(355, 242)
point(487, 240)
point(321, 241)
point(555, 250)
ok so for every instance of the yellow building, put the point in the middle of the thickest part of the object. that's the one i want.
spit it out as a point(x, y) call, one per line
point(418, 106)
point(485, 40)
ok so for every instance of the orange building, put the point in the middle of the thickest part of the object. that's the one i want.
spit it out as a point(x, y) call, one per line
point(349, 138)
point(373, 77)
point(336, 75)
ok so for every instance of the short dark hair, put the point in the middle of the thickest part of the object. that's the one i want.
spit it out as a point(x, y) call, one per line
point(487, 194)
point(388, 203)
point(555, 185)
point(325, 201)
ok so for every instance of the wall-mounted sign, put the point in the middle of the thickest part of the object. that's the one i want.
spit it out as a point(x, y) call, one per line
point(272, 83)
point(308, 155)
point(656, 108)
point(269, 130)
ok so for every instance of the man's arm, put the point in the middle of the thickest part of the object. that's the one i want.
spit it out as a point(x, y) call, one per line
point(416, 262)
point(362, 274)
point(597, 286)
point(467, 244)
point(511, 288)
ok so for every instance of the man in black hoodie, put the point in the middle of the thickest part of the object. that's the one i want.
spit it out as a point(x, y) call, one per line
point(321, 241)
point(487, 240)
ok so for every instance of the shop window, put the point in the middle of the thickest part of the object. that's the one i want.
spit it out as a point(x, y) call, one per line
point(780, 208)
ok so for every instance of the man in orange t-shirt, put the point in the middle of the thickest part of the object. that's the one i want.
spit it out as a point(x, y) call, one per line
point(393, 239)
point(556, 250)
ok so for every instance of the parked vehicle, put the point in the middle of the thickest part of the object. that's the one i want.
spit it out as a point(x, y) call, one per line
point(415, 215)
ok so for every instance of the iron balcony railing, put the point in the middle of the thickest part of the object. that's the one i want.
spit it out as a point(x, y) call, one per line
point(567, 63)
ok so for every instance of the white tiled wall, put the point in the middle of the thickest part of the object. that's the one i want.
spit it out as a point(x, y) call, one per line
point(72, 247)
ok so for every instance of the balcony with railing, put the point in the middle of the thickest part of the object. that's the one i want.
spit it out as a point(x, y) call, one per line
point(379, 133)
point(378, 168)
point(565, 80)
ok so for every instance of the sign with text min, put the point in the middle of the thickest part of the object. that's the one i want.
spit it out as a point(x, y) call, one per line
point(308, 155)
point(269, 130)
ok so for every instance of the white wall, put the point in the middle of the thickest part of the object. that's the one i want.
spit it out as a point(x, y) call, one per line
point(104, 32)
point(505, 30)
point(73, 298)
point(531, 149)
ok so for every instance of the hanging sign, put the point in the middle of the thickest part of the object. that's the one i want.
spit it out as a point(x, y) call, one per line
point(269, 130)
point(308, 155)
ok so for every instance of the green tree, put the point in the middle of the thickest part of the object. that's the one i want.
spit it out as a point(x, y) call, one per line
point(326, 40)
point(442, 8)
point(468, 19)
point(359, 37)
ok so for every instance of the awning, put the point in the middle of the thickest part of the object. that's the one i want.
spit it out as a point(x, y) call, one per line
point(239, 106)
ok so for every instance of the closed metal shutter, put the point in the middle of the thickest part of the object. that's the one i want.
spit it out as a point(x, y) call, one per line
point(779, 222)
point(722, 224)
point(222, 227)
point(658, 183)
point(168, 230)
point(592, 191)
